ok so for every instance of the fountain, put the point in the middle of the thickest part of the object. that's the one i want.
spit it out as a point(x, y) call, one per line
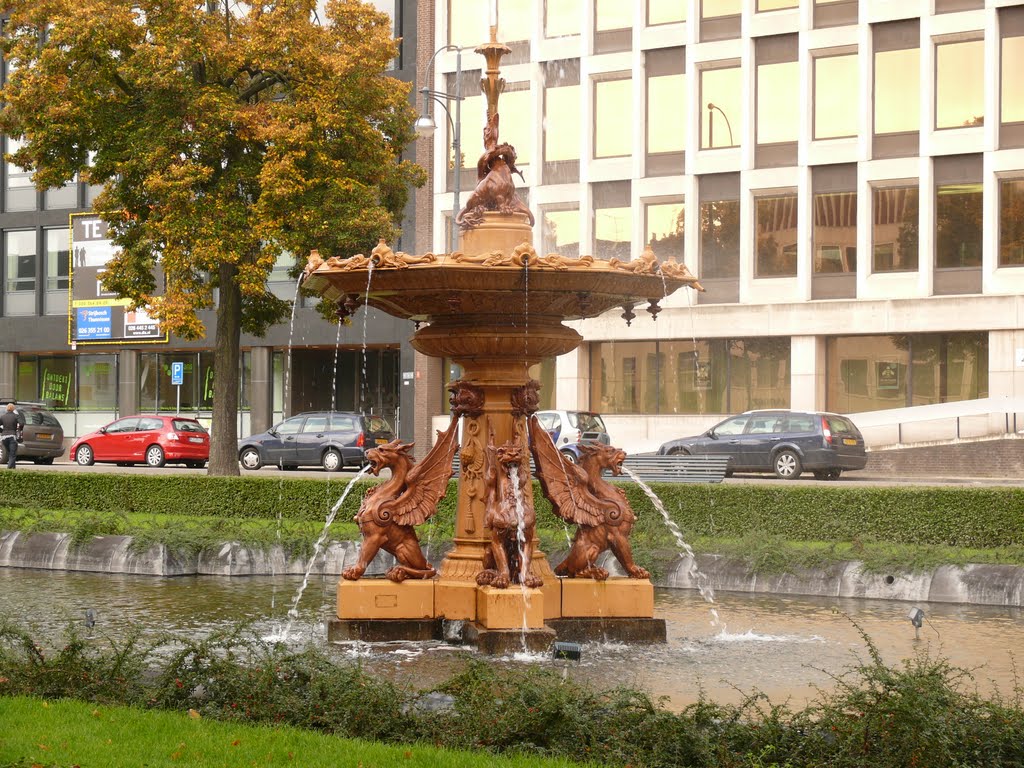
point(495, 306)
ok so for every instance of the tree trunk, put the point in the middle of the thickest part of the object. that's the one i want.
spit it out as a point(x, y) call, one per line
point(226, 353)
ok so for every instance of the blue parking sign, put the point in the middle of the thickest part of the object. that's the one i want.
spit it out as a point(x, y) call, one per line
point(177, 374)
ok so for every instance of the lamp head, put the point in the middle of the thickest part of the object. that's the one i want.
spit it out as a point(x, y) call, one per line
point(425, 126)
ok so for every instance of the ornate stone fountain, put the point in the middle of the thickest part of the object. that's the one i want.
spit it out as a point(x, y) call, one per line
point(495, 307)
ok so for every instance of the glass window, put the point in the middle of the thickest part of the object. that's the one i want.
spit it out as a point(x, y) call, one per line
point(20, 252)
point(123, 425)
point(562, 123)
point(473, 113)
point(612, 232)
point(560, 231)
point(21, 194)
point(97, 382)
point(149, 424)
point(515, 19)
point(467, 21)
point(711, 9)
point(284, 262)
point(1012, 84)
point(664, 229)
point(57, 383)
point(315, 424)
point(959, 71)
point(836, 84)
point(835, 232)
point(613, 136)
point(897, 90)
point(612, 14)
point(778, 102)
point(562, 17)
point(894, 232)
point(958, 232)
point(26, 387)
point(1011, 222)
point(665, 12)
point(720, 238)
point(776, 235)
point(57, 250)
point(720, 97)
point(775, 5)
point(291, 426)
point(516, 123)
point(759, 373)
point(666, 123)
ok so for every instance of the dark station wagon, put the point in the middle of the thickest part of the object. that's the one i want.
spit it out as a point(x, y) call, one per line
point(43, 436)
point(783, 442)
point(330, 439)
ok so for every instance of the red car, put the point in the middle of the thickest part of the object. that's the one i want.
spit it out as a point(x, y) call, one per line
point(148, 438)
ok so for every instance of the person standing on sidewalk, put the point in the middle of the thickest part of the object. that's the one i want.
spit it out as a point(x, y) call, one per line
point(11, 425)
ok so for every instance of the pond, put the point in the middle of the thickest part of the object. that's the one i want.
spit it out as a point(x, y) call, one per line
point(785, 647)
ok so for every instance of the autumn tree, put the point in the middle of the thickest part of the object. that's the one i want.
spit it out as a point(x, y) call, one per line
point(221, 141)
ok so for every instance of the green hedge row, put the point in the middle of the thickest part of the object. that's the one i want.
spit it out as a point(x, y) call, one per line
point(954, 516)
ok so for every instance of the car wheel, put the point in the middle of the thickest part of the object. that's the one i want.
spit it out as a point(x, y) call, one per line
point(84, 456)
point(332, 460)
point(570, 457)
point(787, 465)
point(679, 452)
point(155, 456)
point(249, 458)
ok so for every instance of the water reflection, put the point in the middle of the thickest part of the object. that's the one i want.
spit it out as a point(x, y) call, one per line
point(782, 646)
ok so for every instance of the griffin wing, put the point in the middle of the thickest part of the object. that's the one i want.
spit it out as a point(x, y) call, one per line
point(564, 483)
point(426, 482)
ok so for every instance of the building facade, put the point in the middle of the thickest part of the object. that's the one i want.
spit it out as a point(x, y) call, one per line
point(846, 178)
point(304, 364)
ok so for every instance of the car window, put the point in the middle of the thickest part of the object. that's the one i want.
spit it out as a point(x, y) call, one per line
point(733, 426)
point(46, 419)
point(800, 422)
point(839, 424)
point(291, 426)
point(341, 423)
point(186, 425)
point(763, 425)
point(122, 425)
point(377, 424)
point(149, 425)
point(549, 421)
point(586, 422)
point(315, 424)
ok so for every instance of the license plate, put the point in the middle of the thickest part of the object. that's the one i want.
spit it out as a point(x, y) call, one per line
point(849, 441)
point(43, 436)
point(382, 441)
point(195, 439)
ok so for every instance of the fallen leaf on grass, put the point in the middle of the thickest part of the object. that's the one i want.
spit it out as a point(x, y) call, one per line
point(194, 714)
point(235, 743)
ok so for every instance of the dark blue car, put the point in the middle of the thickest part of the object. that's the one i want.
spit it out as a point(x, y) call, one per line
point(330, 439)
point(783, 442)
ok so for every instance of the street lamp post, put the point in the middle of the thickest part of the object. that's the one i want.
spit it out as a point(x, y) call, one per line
point(425, 126)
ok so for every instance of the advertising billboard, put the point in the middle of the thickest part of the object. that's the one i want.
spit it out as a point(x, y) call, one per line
point(97, 316)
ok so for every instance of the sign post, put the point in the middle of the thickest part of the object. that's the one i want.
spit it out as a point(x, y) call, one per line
point(177, 378)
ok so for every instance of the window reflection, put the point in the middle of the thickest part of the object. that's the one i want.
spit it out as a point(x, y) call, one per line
point(775, 5)
point(959, 70)
point(666, 123)
point(467, 21)
point(562, 123)
point(720, 238)
point(665, 228)
point(958, 231)
point(720, 88)
point(835, 232)
point(516, 123)
point(894, 233)
point(57, 262)
point(665, 12)
point(20, 250)
point(1011, 222)
point(776, 235)
point(778, 102)
point(836, 84)
point(562, 17)
point(560, 231)
point(897, 90)
point(612, 232)
point(1012, 99)
point(613, 136)
point(711, 9)
point(612, 14)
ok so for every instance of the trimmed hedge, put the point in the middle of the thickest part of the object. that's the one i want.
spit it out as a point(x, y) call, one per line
point(981, 518)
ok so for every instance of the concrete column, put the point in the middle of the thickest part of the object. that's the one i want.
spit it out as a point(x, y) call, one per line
point(428, 400)
point(1006, 363)
point(127, 382)
point(8, 373)
point(261, 402)
point(807, 372)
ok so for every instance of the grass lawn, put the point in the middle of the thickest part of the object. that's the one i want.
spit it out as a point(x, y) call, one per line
point(69, 733)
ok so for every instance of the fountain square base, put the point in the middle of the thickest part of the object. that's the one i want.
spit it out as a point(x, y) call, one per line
point(455, 599)
point(385, 599)
point(552, 589)
point(501, 642)
point(383, 630)
point(638, 631)
point(513, 608)
point(611, 598)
